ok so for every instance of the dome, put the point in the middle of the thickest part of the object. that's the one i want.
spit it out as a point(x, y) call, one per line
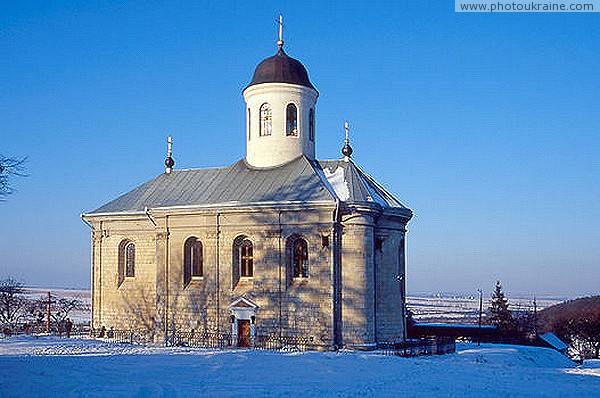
point(281, 68)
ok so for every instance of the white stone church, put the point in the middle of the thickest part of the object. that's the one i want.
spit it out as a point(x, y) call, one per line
point(278, 243)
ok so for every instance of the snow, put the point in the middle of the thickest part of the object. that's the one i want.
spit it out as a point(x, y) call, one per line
point(464, 308)
point(54, 367)
point(337, 180)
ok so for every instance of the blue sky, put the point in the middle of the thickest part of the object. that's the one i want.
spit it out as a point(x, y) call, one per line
point(486, 125)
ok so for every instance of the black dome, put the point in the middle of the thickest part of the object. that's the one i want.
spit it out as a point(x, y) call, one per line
point(281, 69)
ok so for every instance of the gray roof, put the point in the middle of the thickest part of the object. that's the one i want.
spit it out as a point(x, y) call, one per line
point(299, 181)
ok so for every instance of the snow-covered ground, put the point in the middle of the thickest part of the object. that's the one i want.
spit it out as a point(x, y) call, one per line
point(54, 367)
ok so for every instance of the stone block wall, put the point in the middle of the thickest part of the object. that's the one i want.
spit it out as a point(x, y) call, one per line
point(158, 296)
point(389, 265)
point(118, 302)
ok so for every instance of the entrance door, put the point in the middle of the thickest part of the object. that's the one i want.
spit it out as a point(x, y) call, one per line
point(243, 333)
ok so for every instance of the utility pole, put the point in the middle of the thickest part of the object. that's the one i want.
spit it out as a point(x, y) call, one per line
point(48, 302)
point(480, 311)
point(535, 325)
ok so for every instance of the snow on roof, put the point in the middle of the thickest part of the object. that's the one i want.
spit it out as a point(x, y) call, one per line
point(338, 182)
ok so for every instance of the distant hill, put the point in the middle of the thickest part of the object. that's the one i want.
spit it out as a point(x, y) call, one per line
point(577, 322)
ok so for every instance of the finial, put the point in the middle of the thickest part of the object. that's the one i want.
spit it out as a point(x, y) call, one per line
point(347, 149)
point(346, 128)
point(169, 162)
point(280, 41)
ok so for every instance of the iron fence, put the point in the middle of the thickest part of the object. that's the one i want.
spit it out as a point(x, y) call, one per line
point(38, 330)
point(416, 347)
point(429, 345)
point(203, 339)
point(133, 337)
point(284, 343)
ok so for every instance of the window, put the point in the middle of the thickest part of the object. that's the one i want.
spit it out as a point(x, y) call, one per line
point(130, 260)
point(297, 257)
point(300, 258)
point(246, 259)
point(249, 124)
point(266, 120)
point(243, 259)
point(126, 264)
point(192, 259)
point(311, 124)
point(291, 124)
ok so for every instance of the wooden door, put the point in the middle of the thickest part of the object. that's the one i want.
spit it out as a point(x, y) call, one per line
point(243, 333)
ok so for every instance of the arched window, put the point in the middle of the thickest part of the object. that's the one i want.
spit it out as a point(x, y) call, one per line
point(300, 258)
point(249, 125)
point(297, 257)
point(311, 124)
point(266, 120)
point(126, 265)
point(291, 123)
point(130, 260)
point(243, 259)
point(246, 259)
point(192, 259)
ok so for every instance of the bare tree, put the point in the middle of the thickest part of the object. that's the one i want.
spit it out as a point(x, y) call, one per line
point(577, 322)
point(10, 168)
point(60, 308)
point(12, 302)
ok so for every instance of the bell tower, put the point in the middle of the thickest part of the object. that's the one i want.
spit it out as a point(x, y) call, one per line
point(280, 111)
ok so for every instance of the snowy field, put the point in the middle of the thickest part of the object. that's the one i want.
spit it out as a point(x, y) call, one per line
point(54, 367)
point(464, 308)
point(427, 307)
point(77, 315)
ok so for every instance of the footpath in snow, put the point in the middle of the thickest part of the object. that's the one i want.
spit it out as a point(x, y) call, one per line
point(54, 367)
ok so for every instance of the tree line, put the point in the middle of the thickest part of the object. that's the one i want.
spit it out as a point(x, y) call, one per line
point(21, 313)
point(576, 322)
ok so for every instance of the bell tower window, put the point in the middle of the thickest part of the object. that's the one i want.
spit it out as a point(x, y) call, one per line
point(266, 120)
point(291, 125)
point(249, 124)
point(311, 124)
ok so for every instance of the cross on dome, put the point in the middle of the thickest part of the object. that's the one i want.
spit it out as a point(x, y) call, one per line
point(169, 162)
point(280, 41)
point(347, 149)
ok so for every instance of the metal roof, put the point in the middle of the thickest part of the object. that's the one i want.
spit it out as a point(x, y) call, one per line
point(281, 68)
point(361, 187)
point(299, 181)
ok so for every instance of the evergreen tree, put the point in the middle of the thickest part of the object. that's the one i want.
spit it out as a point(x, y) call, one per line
point(500, 315)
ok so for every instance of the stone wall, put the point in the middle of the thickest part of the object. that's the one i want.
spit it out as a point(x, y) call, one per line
point(390, 254)
point(158, 297)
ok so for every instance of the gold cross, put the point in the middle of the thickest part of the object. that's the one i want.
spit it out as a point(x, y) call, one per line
point(280, 41)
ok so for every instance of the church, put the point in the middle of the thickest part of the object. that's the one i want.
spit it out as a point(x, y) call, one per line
point(277, 244)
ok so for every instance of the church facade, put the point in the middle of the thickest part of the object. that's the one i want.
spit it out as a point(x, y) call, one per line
point(278, 243)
